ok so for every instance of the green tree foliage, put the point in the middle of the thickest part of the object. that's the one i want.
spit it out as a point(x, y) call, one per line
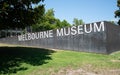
point(113, 22)
point(49, 22)
point(76, 21)
point(60, 24)
point(20, 13)
point(45, 23)
point(64, 23)
point(117, 12)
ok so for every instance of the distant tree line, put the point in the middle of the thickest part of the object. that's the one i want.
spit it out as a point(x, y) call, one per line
point(49, 21)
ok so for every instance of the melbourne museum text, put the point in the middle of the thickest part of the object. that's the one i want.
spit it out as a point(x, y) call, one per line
point(81, 29)
point(98, 37)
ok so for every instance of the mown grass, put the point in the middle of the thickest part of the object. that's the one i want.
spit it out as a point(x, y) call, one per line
point(16, 60)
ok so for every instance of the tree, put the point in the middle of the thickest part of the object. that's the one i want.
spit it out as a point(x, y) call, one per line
point(46, 22)
point(76, 21)
point(20, 13)
point(60, 24)
point(113, 22)
point(49, 22)
point(64, 23)
point(117, 12)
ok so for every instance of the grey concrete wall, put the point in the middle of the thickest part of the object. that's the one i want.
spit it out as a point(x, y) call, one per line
point(106, 41)
point(113, 37)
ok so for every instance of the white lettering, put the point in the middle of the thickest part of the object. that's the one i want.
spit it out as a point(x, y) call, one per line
point(86, 29)
point(33, 36)
point(66, 31)
point(45, 33)
point(73, 30)
point(101, 27)
point(20, 38)
point(36, 35)
point(60, 32)
point(80, 29)
point(41, 34)
point(23, 37)
point(29, 36)
point(50, 33)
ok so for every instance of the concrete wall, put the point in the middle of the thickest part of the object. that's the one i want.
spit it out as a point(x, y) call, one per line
point(106, 41)
point(113, 37)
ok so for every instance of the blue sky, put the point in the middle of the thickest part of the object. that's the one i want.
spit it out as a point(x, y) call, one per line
point(87, 10)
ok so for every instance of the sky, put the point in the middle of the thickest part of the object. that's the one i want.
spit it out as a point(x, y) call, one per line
point(87, 10)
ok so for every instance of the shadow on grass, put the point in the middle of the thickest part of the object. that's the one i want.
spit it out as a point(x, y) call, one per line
point(11, 58)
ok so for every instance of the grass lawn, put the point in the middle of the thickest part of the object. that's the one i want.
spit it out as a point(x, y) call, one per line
point(18, 60)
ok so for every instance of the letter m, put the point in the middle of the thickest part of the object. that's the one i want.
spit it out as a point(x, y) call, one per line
point(99, 28)
point(60, 32)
